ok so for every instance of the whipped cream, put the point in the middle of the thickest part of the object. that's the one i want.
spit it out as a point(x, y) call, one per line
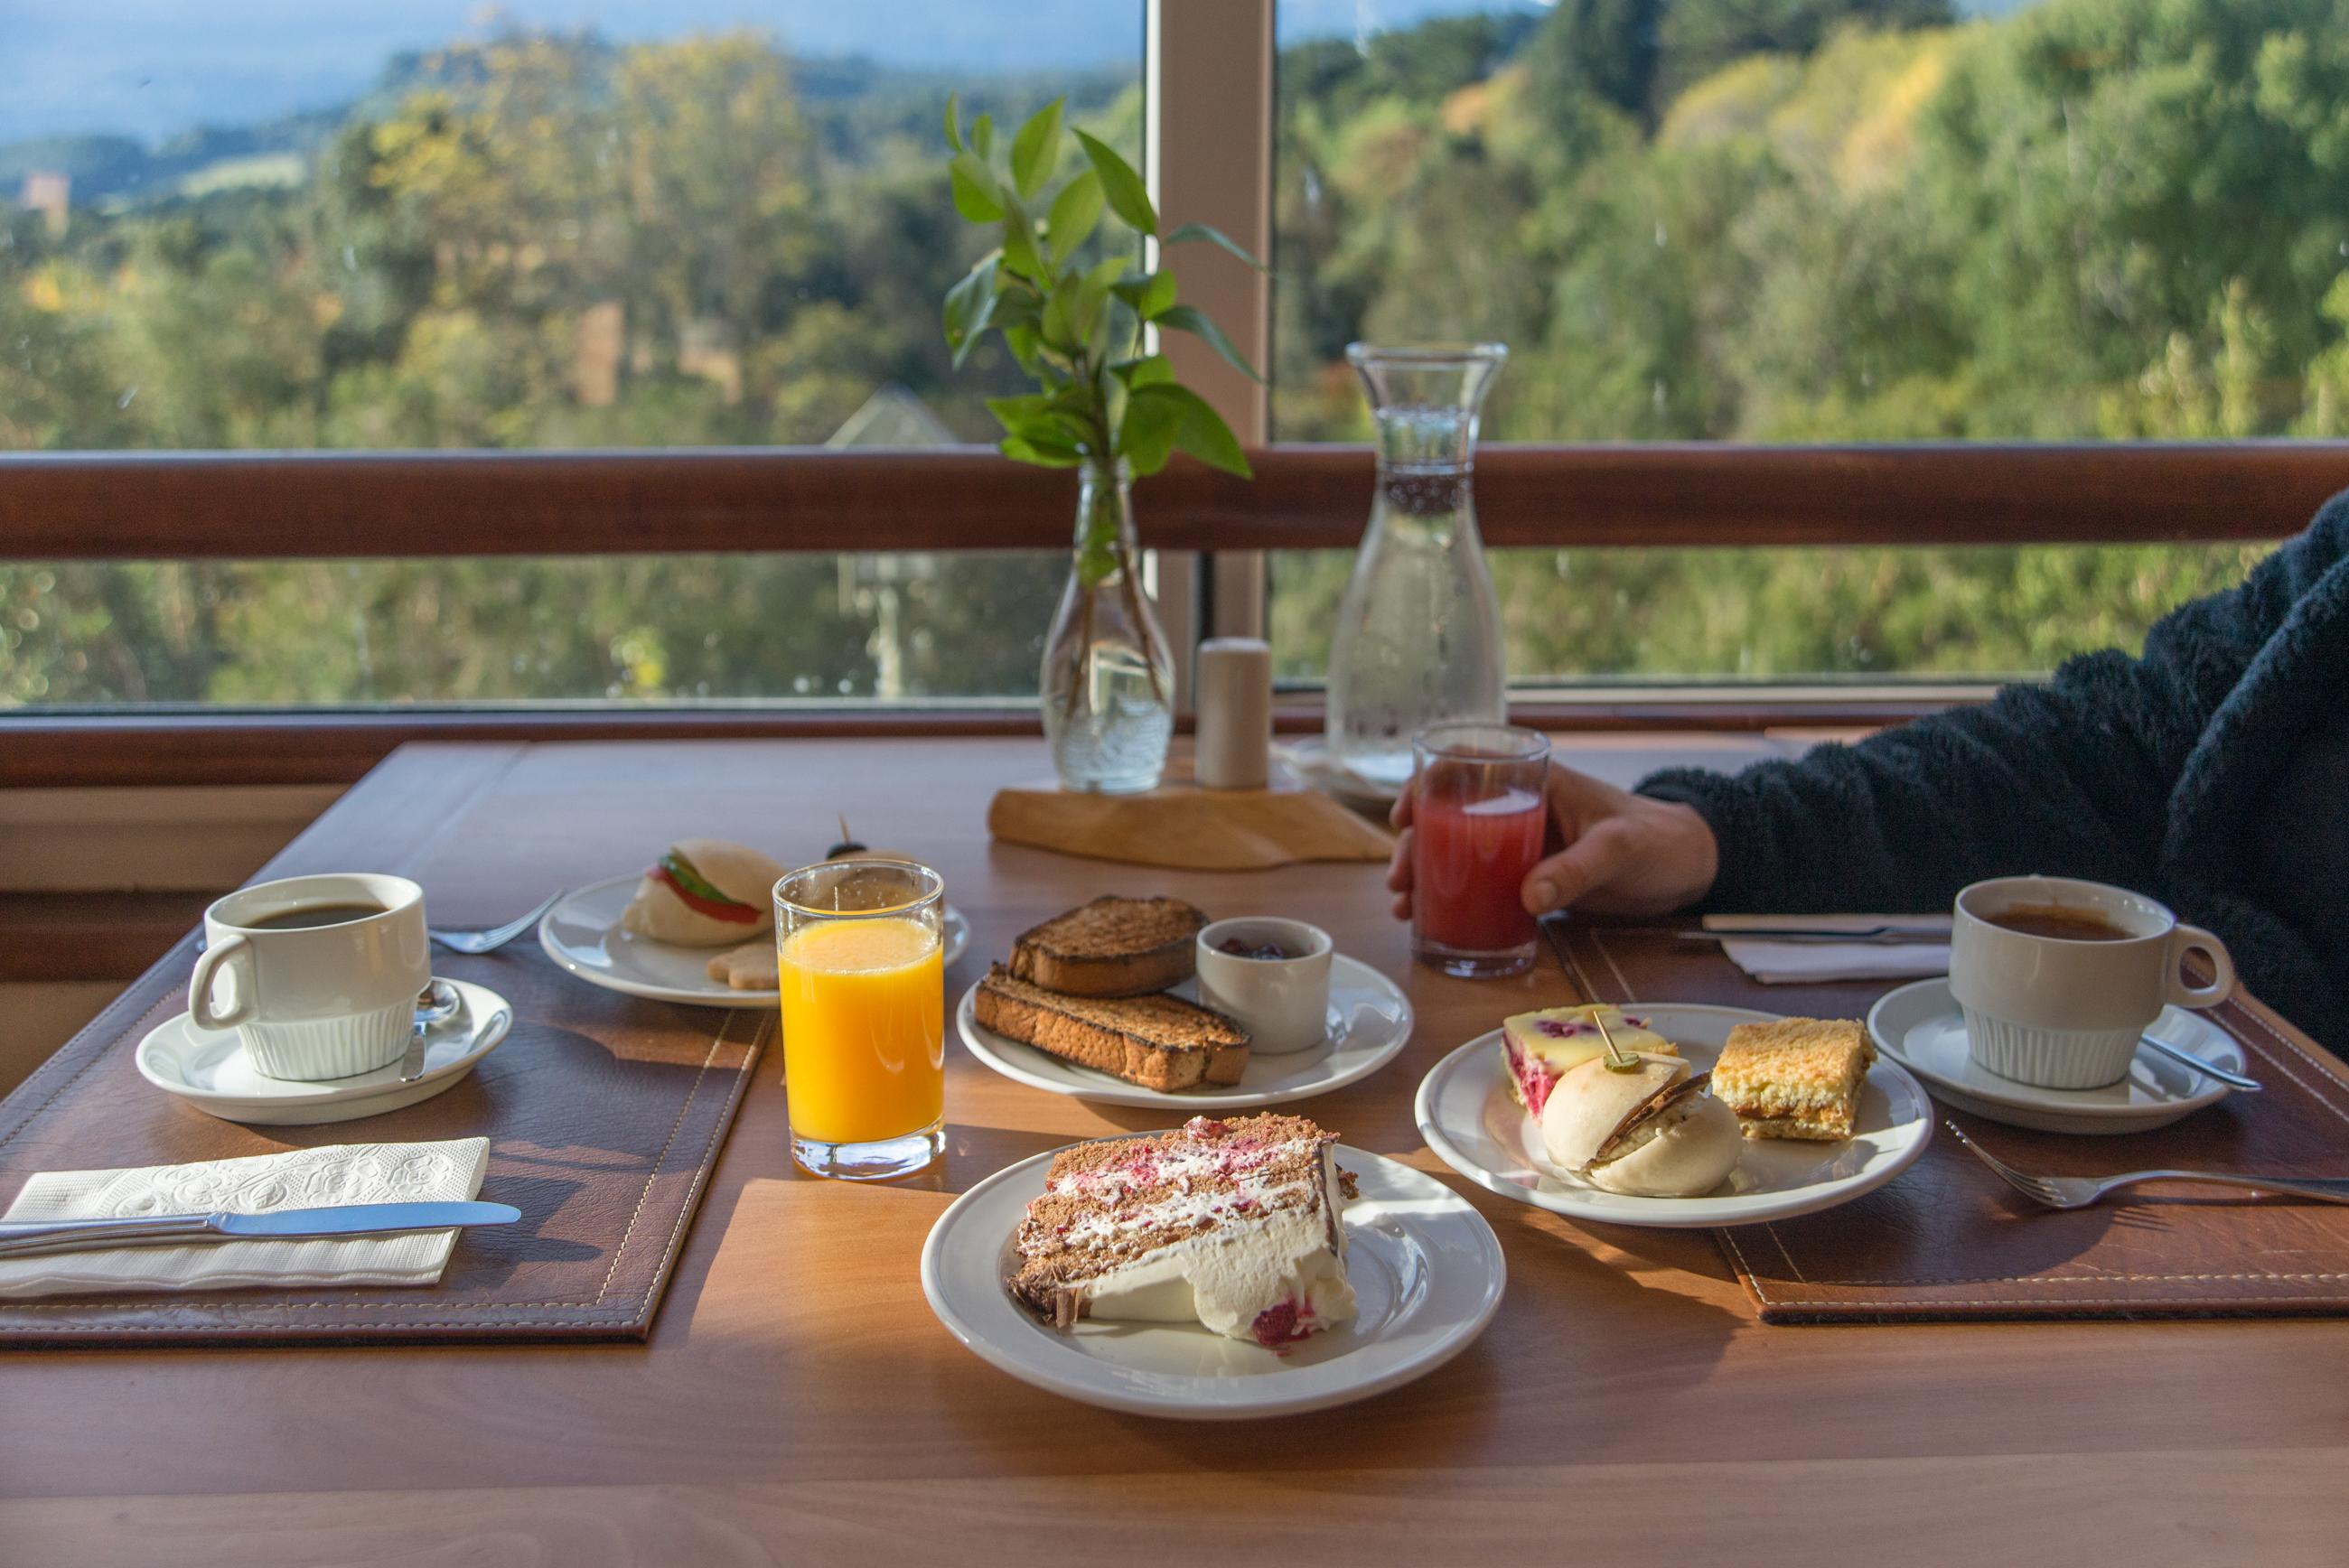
point(1266, 1283)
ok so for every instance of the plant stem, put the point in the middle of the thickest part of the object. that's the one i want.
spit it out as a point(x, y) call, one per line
point(1141, 621)
point(1085, 650)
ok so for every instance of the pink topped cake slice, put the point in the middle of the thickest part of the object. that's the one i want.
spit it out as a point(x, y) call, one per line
point(1233, 1224)
point(1541, 1047)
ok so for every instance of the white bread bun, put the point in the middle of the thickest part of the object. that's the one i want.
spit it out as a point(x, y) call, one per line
point(1588, 1104)
point(739, 873)
point(1670, 1146)
point(1684, 1151)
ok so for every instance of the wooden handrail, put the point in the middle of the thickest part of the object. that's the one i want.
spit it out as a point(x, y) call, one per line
point(264, 505)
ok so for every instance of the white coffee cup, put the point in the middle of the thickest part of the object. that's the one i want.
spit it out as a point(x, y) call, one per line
point(321, 1001)
point(1283, 1003)
point(2066, 1013)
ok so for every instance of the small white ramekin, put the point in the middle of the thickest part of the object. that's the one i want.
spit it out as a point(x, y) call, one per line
point(1283, 1003)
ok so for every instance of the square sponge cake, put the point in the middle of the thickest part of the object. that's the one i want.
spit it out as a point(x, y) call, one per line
point(1795, 1077)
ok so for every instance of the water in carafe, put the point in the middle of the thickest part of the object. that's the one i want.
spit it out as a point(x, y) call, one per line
point(1418, 638)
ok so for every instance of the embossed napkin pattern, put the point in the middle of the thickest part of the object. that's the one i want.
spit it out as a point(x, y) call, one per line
point(301, 1178)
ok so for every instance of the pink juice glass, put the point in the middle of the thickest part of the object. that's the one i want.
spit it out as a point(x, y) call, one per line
point(1478, 813)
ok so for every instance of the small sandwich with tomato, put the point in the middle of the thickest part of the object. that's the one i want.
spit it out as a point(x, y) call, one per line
point(705, 892)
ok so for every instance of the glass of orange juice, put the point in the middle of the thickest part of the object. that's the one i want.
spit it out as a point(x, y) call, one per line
point(863, 997)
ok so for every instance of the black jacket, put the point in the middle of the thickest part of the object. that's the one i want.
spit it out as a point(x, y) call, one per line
point(2213, 773)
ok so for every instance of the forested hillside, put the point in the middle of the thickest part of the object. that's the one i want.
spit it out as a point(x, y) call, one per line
point(1754, 220)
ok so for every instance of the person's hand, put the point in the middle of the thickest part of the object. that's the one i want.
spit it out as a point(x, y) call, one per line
point(1613, 853)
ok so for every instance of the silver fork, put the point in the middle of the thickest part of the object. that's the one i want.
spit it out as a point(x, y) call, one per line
point(496, 937)
point(2079, 1191)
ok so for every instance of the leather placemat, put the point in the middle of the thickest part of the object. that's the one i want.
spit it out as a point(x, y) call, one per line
point(605, 1114)
point(1947, 1240)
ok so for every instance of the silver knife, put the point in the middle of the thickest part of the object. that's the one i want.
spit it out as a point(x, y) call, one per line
point(19, 1238)
point(1866, 936)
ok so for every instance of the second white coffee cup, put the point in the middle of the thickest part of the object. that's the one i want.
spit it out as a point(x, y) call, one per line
point(312, 997)
point(2064, 1013)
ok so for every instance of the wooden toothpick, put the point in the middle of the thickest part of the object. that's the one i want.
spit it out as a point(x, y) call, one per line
point(1619, 1060)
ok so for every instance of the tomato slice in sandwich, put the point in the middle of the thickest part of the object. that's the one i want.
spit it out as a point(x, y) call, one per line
point(695, 892)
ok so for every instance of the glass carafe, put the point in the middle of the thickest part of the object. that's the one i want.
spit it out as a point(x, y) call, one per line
point(1418, 638)
point(1108, 679)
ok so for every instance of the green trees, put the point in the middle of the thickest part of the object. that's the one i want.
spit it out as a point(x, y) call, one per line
point(1822, 222)
point(1751, 220)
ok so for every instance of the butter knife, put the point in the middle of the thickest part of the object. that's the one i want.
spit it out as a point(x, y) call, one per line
point(1866, 936)
point(19, 1238)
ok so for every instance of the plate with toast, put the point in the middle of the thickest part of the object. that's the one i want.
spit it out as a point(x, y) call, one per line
point(1102, 1004)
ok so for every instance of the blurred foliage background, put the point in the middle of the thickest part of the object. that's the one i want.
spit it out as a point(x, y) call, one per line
point(1751, 220)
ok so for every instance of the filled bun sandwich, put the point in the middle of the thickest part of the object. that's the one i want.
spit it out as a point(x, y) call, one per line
point(705, 892)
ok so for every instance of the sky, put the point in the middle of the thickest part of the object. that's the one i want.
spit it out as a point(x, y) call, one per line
point(148, 69)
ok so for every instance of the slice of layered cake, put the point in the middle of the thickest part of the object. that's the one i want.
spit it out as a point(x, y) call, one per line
point(1542, 1047)
point(1233, 1224)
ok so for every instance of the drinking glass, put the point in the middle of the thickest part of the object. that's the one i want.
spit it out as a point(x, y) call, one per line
point(864, 1000)
point(1478, 812)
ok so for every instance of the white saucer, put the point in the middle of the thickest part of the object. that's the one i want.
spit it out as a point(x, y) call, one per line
point(1476, 1126)
point(583, 934)
point(210, 1070)
point(1920, 1026)
point(1370, 1022)
point(1425, 1267)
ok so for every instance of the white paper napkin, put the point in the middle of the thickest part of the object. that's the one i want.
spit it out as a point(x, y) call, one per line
point(1820, 963)
point(302, 1179)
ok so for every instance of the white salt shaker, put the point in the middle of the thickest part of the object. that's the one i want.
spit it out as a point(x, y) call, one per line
point(1234, 696)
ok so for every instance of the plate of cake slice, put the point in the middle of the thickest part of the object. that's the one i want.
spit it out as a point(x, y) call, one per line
point(1224, 1270)
point(1102, 1003)
point(1674, 1114)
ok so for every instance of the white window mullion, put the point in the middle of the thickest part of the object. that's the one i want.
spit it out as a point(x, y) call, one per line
point(1208, 155)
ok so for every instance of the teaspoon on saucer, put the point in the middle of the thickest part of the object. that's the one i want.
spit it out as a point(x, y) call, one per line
point(2208, 1069)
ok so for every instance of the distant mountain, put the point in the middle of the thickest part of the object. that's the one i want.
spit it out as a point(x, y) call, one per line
point(849, 100)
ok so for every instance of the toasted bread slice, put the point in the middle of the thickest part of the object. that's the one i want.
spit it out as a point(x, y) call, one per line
point(1112, 947)
point(1157, 1042)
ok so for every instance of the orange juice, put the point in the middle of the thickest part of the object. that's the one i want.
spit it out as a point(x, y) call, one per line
point(864, 1028)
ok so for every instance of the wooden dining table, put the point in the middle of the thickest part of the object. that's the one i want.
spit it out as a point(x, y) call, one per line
point(798, 1402)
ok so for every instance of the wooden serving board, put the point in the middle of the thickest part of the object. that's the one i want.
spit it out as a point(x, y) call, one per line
point(1180, 824)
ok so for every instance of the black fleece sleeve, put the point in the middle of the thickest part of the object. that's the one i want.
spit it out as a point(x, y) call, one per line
point(2072, 777)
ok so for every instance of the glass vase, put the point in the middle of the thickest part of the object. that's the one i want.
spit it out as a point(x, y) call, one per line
point(1418, 638)
point(1109, 676)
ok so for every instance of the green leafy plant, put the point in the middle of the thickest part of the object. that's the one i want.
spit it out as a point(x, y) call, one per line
point(1077, 329)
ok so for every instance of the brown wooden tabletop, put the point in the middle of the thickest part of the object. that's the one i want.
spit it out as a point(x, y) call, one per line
point(798, 1402)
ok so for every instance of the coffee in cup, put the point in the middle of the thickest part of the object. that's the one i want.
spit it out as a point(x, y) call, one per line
point(320, 974)
point(2058, 978)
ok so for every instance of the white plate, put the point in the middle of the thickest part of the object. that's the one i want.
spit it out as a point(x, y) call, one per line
point(1370, 1022)
point(210, 1070)
point(582, 933)
point(1425, 1267)
point(1920, 1026)
point(1469, 1117)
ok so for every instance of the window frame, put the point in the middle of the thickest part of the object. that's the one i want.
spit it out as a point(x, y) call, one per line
point(1209, 81)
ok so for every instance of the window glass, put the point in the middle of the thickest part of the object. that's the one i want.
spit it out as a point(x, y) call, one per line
point(264, 224)
point(1833, 220)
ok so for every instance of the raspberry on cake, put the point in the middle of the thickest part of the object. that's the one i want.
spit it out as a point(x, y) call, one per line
point(1794, 1078)
point(1233, 1224)
point(1542, 1047)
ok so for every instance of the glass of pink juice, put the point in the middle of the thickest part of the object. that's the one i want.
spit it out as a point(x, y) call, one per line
point(1478, 812)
